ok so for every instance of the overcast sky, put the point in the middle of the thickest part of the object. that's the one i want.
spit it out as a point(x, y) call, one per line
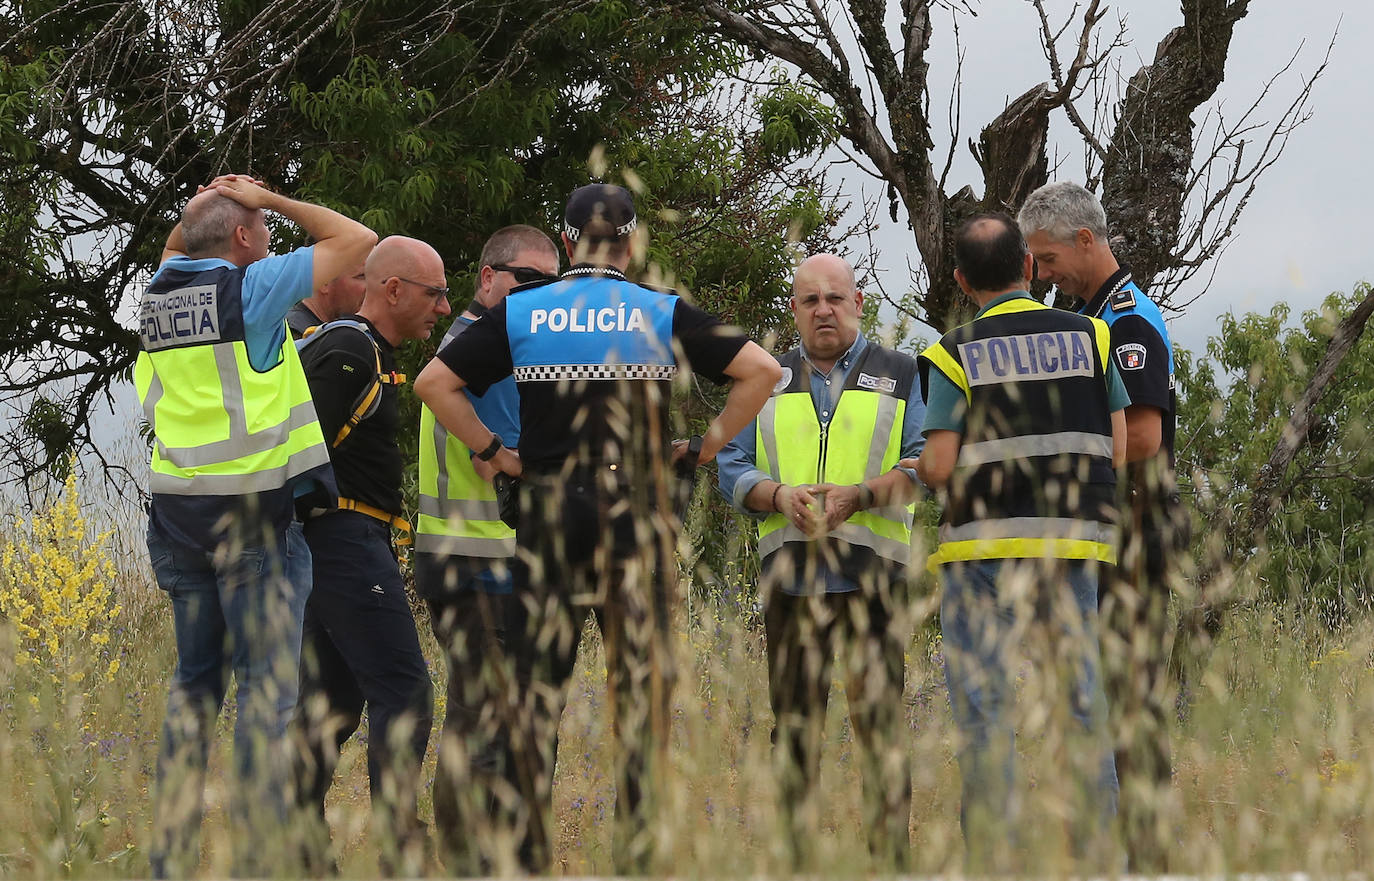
point(1305, 232)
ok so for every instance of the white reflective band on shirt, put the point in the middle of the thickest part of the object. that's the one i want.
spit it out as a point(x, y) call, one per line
point(300, 462)
point(849, 532)
point(465, 546)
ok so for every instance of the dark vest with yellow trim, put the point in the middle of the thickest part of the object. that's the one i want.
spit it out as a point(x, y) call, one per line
point(1034, 477)
point(862, 440)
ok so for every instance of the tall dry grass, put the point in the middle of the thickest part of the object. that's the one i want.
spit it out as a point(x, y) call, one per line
point(1271, 742)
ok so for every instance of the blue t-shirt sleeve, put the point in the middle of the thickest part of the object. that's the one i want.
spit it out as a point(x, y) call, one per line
point(946, 407)
point(271, 286)
point(738, 471)
point(1117, 396)
point(913, 441)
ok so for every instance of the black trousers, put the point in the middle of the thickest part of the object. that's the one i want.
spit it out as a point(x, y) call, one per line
point(471, 809)
point(590, 543)
point(361, 649)
point(804, 633)
point(1138, 634)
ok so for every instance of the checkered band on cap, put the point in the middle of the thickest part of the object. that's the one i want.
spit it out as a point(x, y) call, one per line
point(573, 233)
point(608, 203)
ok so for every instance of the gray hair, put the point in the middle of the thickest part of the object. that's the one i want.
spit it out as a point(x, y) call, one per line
point(1060, 210)
point(506, 244)
point(208, 224)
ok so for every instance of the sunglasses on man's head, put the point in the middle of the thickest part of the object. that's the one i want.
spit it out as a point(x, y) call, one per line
point(524, 274)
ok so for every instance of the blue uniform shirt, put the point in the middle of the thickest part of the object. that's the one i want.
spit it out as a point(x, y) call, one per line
point(738, 466)
point(271, 286)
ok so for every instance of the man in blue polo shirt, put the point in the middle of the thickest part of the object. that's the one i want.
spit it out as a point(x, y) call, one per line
point(237, 449)
point(594, 356)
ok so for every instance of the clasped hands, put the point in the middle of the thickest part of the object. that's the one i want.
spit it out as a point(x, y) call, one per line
point(818, 508)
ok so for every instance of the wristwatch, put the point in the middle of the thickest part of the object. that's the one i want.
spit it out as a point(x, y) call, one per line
point(492, 449)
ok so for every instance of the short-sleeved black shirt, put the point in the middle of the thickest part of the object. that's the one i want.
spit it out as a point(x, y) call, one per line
point(589, 421)
point(339, 368)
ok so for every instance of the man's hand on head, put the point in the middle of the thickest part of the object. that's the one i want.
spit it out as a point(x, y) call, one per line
point(245, 190)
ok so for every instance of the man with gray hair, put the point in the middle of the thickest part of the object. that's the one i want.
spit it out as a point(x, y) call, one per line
point(237, 449)
point(1066, 230)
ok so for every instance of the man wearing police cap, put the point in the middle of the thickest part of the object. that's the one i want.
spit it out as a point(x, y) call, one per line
point(594, 356)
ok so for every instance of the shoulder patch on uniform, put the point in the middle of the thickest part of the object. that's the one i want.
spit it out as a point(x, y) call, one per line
point(877, 383)
point(1123, 300)
point(784, 382)
point(1130, 356)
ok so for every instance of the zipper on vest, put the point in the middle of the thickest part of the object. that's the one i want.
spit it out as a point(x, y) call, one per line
point(820, 462)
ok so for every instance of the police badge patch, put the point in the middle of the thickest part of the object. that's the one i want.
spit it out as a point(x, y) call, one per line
point(1130, 356)
point(877, 383)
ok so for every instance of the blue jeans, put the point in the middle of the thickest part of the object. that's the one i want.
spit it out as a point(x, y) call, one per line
point(988, 609)
point(238, 609)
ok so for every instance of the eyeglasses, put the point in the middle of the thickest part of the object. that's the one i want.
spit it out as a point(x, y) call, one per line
point(433, 290)
point(524, 274)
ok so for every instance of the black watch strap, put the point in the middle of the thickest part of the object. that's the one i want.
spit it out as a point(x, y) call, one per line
point(492, 449)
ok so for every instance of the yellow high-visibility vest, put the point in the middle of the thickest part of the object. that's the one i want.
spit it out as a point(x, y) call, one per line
point(221, 427)
point(863, 440)
point(459, 513)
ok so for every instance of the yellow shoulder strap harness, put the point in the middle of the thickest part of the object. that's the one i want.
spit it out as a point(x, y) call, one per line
point(366, 403)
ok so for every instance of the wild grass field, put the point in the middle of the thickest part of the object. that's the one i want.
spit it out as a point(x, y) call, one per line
point(1271, 740)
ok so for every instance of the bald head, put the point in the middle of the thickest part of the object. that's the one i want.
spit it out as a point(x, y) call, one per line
point(406, 288)
point(825, 305)
point(403, 257)
point(832, 267)
point(209, 221)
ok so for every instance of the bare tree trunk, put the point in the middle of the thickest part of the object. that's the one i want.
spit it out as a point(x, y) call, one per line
point(1146, 163)
point(1147, 169)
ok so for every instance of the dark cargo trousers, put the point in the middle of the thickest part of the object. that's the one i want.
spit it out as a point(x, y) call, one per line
point(361, 649)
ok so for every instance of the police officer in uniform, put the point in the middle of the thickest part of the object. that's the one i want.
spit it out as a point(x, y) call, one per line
point(462, 569)
point(237, 448)
point(1024, 427)
point(594, 356)
point(336, 298)
point(361, 648)
point(819, 467)
point(1066, 230)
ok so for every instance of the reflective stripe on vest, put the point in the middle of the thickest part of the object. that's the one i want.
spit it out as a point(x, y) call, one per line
point(459, 514)
point(223, 428)
point(863, 440)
